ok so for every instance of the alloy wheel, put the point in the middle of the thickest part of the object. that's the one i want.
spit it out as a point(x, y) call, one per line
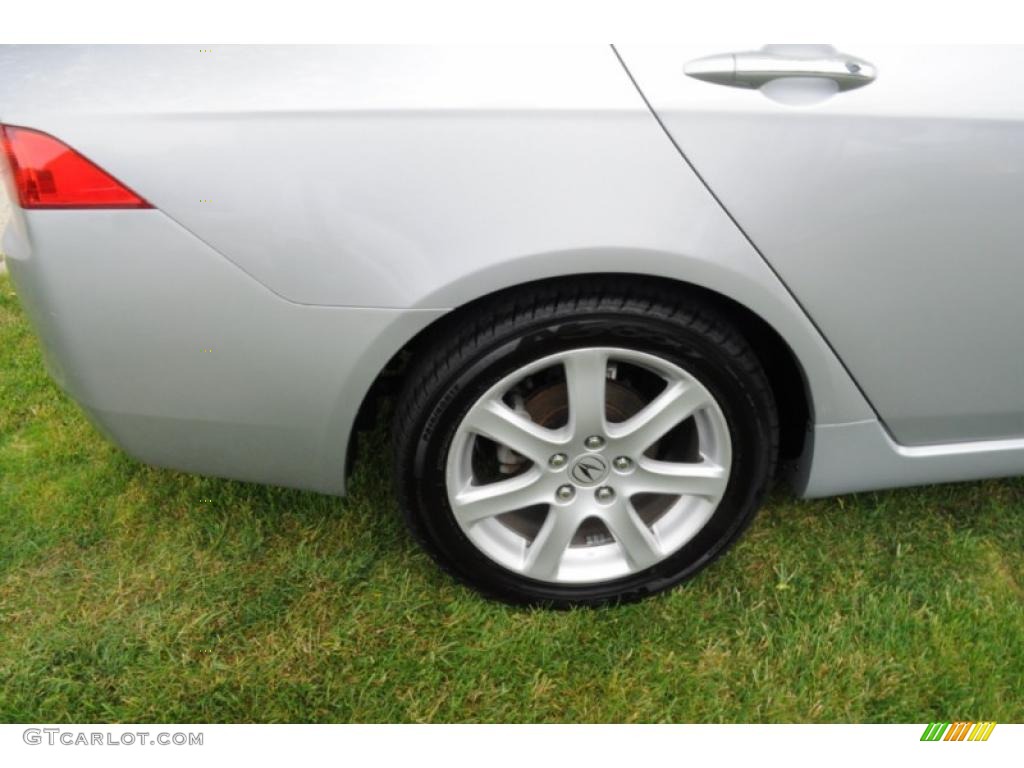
point(588, 465)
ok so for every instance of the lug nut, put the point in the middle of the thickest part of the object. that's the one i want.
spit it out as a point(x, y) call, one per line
point(558, 461)
point(594, 442)
point(622, 463)
point(565, 493)
point(604, 494)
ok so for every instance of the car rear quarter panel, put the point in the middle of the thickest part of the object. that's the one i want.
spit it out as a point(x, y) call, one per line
point(317, 207)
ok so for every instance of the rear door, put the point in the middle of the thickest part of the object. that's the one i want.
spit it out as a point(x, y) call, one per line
point(886, 187)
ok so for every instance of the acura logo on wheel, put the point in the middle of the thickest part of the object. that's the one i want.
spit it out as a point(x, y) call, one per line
point(589, 470)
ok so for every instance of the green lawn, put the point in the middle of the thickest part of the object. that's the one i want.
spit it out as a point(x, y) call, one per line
point(136, 594)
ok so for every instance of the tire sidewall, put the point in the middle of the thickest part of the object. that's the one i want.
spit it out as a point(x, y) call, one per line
point(692, 348)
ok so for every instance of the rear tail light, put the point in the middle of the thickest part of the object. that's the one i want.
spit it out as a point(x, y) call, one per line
point(49, 174)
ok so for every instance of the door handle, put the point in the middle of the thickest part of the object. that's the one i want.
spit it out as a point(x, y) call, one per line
point(754, 69)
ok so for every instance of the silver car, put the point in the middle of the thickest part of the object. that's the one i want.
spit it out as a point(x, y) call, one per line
point(622, 289)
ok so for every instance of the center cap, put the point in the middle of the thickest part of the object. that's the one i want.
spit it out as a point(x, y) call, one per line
point(589, 470)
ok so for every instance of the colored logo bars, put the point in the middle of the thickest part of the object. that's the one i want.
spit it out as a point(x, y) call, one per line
point(957, 731)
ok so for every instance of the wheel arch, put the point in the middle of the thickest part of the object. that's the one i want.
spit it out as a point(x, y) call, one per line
point(788, 377)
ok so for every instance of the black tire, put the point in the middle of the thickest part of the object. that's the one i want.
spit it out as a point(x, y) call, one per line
point(476, 347)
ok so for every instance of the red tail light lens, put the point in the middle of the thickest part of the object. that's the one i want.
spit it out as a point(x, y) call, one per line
point(49, 174)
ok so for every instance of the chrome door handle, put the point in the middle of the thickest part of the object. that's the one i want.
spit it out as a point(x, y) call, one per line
point(754, 69)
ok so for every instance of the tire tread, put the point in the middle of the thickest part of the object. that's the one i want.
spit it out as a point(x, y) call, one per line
point(450, 344)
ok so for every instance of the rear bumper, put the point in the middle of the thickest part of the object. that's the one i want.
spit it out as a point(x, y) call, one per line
point(184, 360)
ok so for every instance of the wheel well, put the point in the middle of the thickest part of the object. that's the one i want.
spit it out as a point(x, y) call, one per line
point(788, 382)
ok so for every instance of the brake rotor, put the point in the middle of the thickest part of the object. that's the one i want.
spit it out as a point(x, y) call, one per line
point(549, 406)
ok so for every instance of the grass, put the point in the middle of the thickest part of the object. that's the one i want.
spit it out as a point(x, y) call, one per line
point(135, 594)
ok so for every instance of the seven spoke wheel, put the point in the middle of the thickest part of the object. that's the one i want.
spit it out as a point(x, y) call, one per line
point(605, 492)
point(583, 443)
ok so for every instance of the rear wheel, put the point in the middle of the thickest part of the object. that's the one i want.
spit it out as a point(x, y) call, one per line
point(585, 446)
